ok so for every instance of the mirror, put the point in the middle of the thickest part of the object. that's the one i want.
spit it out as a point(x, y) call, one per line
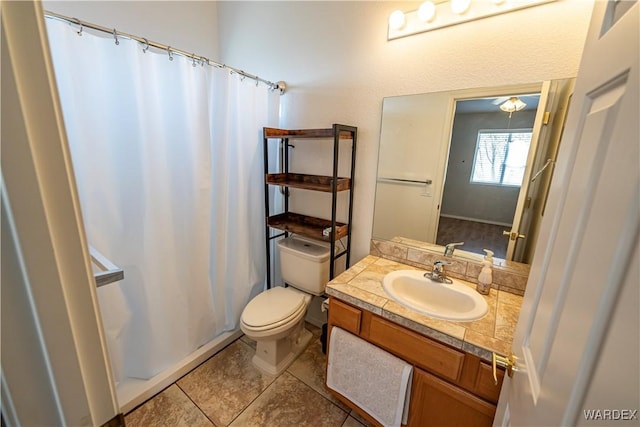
point(454, 167)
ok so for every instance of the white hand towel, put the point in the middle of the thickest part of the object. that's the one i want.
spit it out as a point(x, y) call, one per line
point(376, 381)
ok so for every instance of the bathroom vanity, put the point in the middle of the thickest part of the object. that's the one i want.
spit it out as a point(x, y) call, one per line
point(453, 379)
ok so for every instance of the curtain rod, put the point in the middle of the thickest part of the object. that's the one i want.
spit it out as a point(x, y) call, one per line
point(281, 86)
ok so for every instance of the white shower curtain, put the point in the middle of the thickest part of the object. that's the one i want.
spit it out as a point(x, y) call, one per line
point(168, 163)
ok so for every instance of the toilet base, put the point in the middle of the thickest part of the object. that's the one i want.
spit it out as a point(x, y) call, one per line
point(274, 356)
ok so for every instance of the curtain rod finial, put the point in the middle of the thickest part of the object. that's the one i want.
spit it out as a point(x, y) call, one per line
point(281, 86)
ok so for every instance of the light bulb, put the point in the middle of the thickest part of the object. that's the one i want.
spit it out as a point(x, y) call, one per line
point(427, 11)
point(460, 6)
point(396, 19)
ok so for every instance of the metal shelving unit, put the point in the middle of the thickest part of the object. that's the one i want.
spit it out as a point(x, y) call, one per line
point(326, 230)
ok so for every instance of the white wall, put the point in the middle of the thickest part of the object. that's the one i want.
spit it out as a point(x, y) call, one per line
point(186, 25)
point(339, 65)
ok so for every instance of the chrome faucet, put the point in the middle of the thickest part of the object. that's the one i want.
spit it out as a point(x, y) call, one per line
point(450, 247)
point(438, 274)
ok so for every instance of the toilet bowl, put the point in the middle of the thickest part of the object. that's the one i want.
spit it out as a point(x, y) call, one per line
point(275, 320)
point(275, 317)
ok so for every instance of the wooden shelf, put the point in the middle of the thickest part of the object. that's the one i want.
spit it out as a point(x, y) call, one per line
point(306, 225)
point(304, 133)
point(301, 224)
point(307, 182)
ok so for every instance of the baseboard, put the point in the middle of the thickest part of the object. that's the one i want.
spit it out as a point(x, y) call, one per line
point(483, 221)
point(117, 421)
point(133, 392)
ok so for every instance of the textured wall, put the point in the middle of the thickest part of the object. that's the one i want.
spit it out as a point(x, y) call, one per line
point(186, 25)
point(339, 66)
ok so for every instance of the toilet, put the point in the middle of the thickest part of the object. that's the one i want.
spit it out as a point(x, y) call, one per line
point(275, 317)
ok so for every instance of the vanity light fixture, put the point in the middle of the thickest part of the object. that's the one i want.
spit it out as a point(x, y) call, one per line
point(460, 6)
point(396, 20)
point(434, 14)
point(427, 11)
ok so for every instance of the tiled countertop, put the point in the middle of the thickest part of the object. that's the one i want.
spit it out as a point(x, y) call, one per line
point(361, 286)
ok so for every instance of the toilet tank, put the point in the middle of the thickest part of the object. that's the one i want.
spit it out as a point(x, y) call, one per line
point(304, 264)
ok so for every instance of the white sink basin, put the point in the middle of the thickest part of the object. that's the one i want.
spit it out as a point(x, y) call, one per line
point(453, 301)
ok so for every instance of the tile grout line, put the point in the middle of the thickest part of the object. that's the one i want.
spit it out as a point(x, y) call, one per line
point(318, 393)
point(176, 383)
point(313, 389)
point(314, 341)
point(195, 404)
point(347, 413)
point(259, 394)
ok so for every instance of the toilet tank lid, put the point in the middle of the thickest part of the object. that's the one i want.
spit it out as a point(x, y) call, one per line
point(316, 252)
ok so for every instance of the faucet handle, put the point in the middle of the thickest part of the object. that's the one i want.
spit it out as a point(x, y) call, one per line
point(438, 266)
point(450, 247)
point(454, 244)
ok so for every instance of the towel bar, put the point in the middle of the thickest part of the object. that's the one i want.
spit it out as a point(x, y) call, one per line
point(412, 181)
point(109, 272)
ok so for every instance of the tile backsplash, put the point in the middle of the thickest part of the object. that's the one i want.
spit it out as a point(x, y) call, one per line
point(507, 276)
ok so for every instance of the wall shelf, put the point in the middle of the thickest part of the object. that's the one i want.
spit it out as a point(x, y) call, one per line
point(308, 182)
point(307, 226)
point(307, 133)
point(326, 230)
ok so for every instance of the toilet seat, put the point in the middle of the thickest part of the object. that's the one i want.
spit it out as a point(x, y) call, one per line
point(273, 308)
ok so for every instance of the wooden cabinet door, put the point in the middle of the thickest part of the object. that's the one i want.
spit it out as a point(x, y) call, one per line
point(435, 402)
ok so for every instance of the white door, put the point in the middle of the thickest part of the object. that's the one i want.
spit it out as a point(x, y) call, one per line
point(584, 278)
point(412, 146)
point(544, 163)
point(538, 128)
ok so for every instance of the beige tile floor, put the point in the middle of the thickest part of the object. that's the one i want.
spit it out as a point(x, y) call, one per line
point(227, 390)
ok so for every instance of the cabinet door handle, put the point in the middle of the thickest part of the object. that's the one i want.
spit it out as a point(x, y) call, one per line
point(509, 363)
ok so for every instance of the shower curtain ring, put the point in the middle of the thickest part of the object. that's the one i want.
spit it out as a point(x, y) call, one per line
point(193, 56)
point(80, 24)
point(169, 52)
point(146, 46)
point(115, 36)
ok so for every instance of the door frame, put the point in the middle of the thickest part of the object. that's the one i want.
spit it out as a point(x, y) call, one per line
point(490, 92)
point(49, 268)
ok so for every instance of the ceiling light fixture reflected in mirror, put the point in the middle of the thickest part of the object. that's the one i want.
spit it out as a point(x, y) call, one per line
point(512, 104)
point(434, 14)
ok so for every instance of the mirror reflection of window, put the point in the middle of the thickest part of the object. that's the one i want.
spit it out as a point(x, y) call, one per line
point(487, 161)
point(433, 137)
point(501, 157)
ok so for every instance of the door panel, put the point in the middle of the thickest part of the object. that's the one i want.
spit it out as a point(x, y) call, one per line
point(587, 237)
point(544, 165)
point(538, 130)
point(412, 143)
